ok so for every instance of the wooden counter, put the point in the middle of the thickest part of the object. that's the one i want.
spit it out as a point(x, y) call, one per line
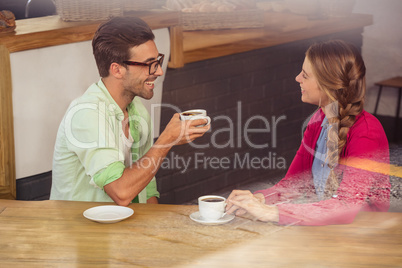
point(51, 30)
point(192, 46)
point(280, 28)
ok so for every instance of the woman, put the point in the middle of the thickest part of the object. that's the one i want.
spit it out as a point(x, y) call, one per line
point(331, 177)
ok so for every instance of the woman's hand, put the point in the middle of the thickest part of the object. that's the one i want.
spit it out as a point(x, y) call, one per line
point(241, 202)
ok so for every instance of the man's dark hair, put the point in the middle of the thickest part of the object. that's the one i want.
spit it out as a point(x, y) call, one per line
point(114, 39)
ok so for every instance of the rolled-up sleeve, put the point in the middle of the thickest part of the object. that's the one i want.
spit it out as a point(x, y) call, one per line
point(110, 174)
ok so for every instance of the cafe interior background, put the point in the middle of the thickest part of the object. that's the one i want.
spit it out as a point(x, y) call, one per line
point(239, 86)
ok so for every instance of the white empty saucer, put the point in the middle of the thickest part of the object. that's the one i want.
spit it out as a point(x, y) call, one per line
point(108, 214)
point(225, 219)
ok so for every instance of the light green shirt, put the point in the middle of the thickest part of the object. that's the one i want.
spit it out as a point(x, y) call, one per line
point(89, 149)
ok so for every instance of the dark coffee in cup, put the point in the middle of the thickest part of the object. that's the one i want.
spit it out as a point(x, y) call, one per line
point(194, 115)
point(212, 200)
point(191, 114)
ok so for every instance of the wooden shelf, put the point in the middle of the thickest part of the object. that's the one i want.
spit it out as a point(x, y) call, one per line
point(280, 28)
point(51, 30)
point(186, 46)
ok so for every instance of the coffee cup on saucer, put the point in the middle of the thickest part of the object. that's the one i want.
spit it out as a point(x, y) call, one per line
point(194, 115)
point(211, 207)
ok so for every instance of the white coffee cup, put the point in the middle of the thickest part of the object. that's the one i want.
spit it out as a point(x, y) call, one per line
point(211, 207)
point(194, 115)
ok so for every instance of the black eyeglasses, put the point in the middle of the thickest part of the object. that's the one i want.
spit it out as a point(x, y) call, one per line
point(153, 65)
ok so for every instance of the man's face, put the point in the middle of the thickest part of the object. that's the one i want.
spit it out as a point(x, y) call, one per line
point(137, 79)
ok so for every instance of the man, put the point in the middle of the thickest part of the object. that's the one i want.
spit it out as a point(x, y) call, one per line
point(107, 129)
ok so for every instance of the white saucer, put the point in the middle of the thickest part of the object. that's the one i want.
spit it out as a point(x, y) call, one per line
point(225, 219)
point(108, 214)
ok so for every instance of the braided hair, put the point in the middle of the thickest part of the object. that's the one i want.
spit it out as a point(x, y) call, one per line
point(340, 72)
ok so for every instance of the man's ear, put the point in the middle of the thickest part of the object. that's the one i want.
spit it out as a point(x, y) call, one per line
point(117, 70)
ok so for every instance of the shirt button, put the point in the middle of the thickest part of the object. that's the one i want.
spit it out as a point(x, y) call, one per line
point(322, 165)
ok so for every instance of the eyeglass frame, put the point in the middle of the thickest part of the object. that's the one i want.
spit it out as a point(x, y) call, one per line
point(159, 63)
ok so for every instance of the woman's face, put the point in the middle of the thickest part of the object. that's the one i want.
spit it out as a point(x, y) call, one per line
point(310, 91)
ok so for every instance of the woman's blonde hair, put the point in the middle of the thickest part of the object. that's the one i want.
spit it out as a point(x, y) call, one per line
point(340, 72)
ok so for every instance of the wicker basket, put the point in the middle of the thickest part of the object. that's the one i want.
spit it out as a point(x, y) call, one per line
point(86, 10)
point(133, 5)
point(252, 18)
